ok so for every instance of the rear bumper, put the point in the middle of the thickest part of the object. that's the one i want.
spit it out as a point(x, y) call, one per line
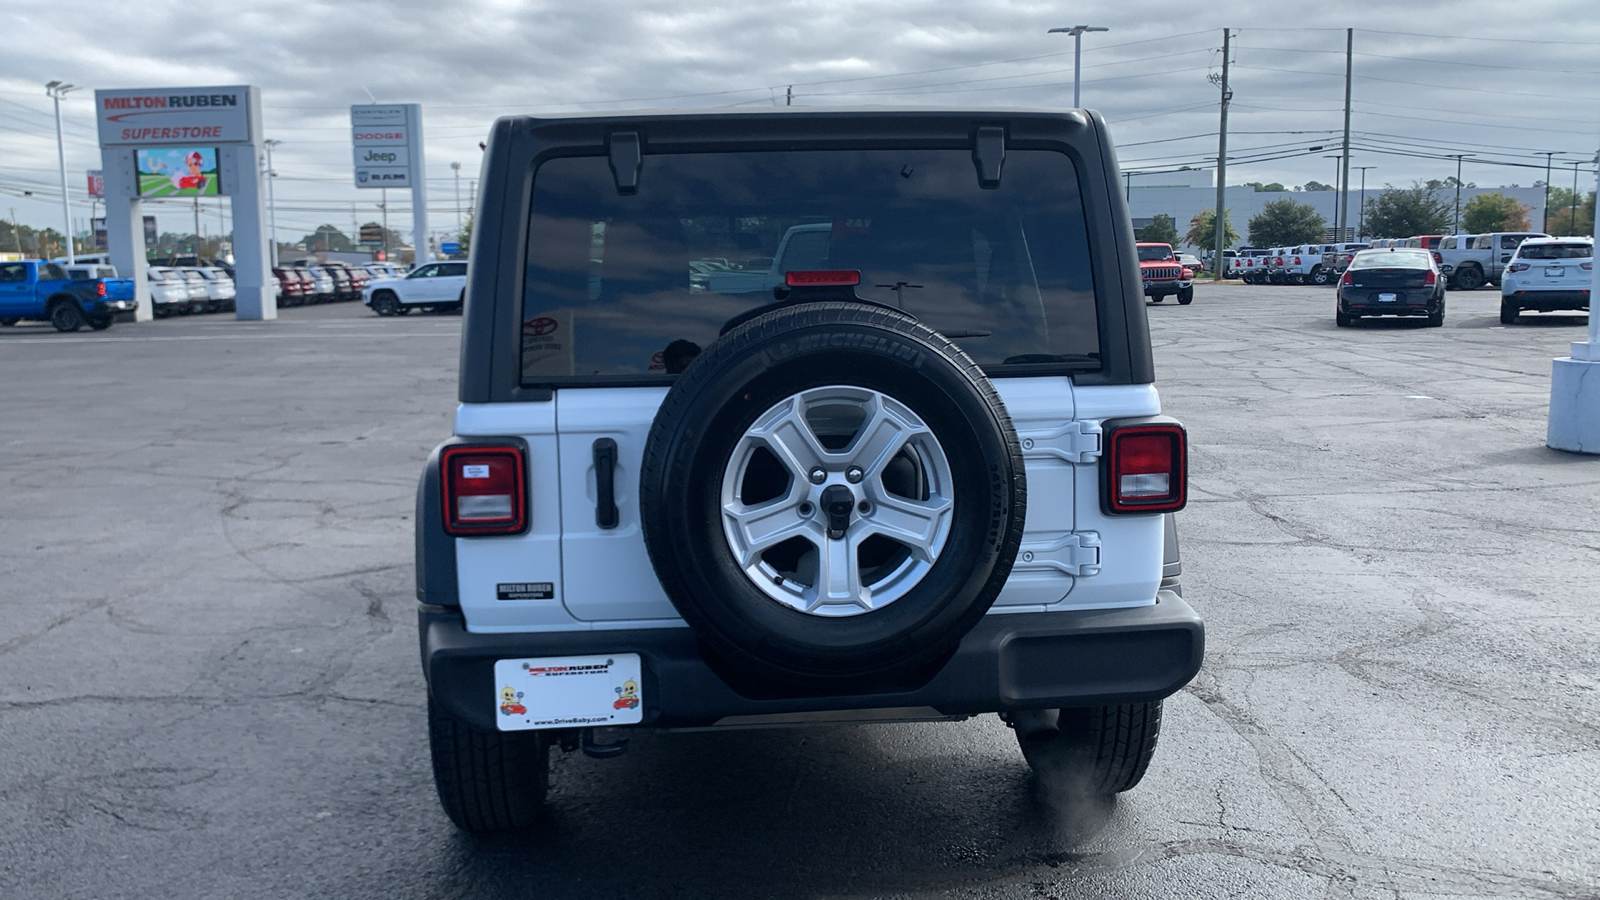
point(1407, 302)
point(1548, 300)
point(1007, 662)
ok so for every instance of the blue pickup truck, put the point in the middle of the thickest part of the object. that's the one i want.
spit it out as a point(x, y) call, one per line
point(33, 289)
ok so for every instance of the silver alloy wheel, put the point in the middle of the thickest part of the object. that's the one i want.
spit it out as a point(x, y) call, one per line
point(862, 535)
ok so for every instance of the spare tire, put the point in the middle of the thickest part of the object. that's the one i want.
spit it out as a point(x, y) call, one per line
point(830, 493)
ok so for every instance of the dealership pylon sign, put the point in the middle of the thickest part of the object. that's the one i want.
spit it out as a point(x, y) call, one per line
point(386, 140)
point(181, 142)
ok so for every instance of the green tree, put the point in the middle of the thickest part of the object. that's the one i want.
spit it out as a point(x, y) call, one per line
point(1203, 230)
point(1319, 186)
point(326, 238)
point(1272, 188)
point(1403, 212)
point(1284, 222)
point(466, 237)
point(1493, 212)
point(1161, 230)
point(1559, 217)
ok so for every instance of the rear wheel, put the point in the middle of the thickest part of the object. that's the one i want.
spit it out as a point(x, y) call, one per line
point(100, 321)
point(65, 315)
point(1470, 278)
point(1319, 275)
point(1096, 752)
point(1437, 319)
point(487, 781)
point(1509, 312)
point(1343, 319)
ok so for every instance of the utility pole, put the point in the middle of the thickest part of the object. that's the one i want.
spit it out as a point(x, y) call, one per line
point(16, 230)
point(383, 204)
point(272, 208)
point(1572, 221)
point(57, 90)
point(456, 168)
point(1343, 219)
point(788, 96)
point(1361, 206)
point(1218, 221)
point(197, 229)
point(1458, 158)
point(1544, 218)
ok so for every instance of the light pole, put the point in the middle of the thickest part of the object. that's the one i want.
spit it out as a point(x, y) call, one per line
point(1456, 229)
point(1572, 220)
point(456, 168)
point(1361, 210)
point(1077, 52)
point(1547, 154)
point(56, 90)
point(1338, 164)
point(272, 208)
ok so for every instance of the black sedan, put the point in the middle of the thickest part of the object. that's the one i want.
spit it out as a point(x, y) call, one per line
point(1391, 282)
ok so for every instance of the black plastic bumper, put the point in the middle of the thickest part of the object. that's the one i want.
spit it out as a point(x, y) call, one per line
point(1020, 661)
point(1549, 301)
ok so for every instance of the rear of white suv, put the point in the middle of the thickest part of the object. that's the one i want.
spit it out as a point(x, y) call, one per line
point(924, 478)
point(1547, 274)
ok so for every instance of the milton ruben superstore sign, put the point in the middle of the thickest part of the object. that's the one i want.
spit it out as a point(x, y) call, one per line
point(146, 116)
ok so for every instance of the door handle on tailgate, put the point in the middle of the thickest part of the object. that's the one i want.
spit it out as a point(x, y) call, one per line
point(605, 464)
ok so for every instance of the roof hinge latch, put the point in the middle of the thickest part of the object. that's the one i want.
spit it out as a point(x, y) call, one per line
point(627, 159)
point(989, 154)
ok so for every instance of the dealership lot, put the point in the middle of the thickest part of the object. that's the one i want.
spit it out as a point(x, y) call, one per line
point(209, 681)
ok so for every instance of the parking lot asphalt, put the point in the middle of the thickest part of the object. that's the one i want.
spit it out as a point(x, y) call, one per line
point(209, 683)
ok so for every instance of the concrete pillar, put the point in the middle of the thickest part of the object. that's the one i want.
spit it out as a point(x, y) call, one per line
point(256, 294)
point(125, 225)
point(1575, 385)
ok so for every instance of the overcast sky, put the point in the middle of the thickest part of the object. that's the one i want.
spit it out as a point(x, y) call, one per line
point(1500, 80)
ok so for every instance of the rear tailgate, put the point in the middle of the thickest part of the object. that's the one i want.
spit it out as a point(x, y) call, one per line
point(118, 288)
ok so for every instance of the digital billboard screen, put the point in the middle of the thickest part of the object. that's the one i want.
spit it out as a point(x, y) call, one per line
point(178, 172)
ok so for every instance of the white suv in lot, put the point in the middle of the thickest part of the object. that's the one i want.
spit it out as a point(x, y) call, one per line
point(437, 286)
point(1547, 274)
point(923, 477)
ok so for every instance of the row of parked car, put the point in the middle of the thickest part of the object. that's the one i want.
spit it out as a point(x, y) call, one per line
point(183, 290)
point(305, 283)
point(1466, 261)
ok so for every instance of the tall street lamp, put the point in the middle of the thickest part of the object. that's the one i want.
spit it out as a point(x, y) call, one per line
point(272, 208)
point(1547, 154)
point(56, 90)
point(1361, 210)
point(1077, 52)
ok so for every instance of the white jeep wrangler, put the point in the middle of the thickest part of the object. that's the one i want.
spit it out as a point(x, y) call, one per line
point(925, 477)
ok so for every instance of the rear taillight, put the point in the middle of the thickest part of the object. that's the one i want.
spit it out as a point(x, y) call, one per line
point(1146, 469)
point(1297, 260)
point(485, 491)
point(1346, 280)
point(100, 288)
point(1432, 278)
point(1517, 267)
point(1588, 266)
point(1438, 258)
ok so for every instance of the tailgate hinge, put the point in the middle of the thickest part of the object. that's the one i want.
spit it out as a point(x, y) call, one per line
point(1075, 554)
point(1075, 442)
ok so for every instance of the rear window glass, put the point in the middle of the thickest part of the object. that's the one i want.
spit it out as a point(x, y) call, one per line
point(612, 281)
point(1556, 251)
point(1387, 259)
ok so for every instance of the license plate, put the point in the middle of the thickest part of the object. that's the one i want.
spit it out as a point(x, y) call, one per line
point(1554, 271)
point(1388, 298)
point(568, 692)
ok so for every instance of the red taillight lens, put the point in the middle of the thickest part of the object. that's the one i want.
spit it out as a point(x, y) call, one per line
point(100, 288)
point(484, 490)
point(1518, 267)
point(1346, 280)
point(826, 278)
point(1438, 258)
point(1297, 260)
point(1432, 278)
point(1148, 469)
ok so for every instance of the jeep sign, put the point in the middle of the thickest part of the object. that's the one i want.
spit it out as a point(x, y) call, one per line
point(386, 149)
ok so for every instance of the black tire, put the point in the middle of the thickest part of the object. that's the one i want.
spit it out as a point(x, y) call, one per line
point(1186, 296)
point(1509, 312)
point(384, 303)
point(99, 321)
point(1468, 278)
point(66, 315)
point(9, 321)
point(487, 781)
point(1343, 319)
point(1157, 298)
point(761, 644)
point(1319, 275)
point(1436, 320)
point(1098, 752)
